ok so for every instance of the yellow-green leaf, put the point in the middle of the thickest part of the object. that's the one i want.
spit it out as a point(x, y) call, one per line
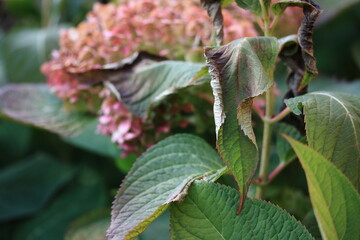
point(336, 202)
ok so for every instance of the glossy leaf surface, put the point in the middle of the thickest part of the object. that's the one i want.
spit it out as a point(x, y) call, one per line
point(336, 202)
point(209, 213)
point(161, 176)
point(34, 104)
point(240, 72)
point(333, 128)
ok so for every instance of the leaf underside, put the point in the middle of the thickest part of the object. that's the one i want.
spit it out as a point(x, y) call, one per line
point(239, 72)
point(209, 213)
point(161, 176)
point(251, 5)
point(333, 128)
point(145, 79)
point(336, 202)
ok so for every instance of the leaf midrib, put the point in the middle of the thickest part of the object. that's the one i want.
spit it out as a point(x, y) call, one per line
point(207, 218)
point(347, 111)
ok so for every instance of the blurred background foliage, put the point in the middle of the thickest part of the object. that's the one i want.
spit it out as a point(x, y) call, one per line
point(53, 187)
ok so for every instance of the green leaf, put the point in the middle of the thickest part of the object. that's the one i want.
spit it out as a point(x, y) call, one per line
point(332, 85)
point(209, 213)
point(291, 199)
point(28, 185)
point(11, 133)
point(85, 194)
point(25, 50)
point(240, 72)
point(125, 164)
point(95, 142)
point(159, 229)
point(311, 225)
point(33, 104)
point(92, 226)
point(251, 5)
point(226, 2)
point(161, 176)
point(336, 202)
point(333, 128)
point(332, 8)
point(284, 150)
point(279, 7)
point(337, 28)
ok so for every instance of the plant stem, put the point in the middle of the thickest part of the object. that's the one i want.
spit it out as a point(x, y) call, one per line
point(265, 153)
point(45, 12)
point(266, 18)
point(265, 149)
point(276, 172)
point(278, 117)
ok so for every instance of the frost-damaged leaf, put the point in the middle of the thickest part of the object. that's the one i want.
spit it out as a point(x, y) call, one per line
point(239, 72)
point(209, 213)
point(336, 202)
point(333, 128)
point(115, 72)
point(213, 7)
point(251, 5)
point(141, 80)
point(311, 12)
point(162, 175)
point(34, 104)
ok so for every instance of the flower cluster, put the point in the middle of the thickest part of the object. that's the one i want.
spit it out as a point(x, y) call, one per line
point(111, 32)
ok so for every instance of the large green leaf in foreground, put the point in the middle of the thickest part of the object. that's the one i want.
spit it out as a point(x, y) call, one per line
point(240, 71)
point(162, 175)
point(333, 128)
point(34, 104)
point(336, 202)
point(209, 213)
